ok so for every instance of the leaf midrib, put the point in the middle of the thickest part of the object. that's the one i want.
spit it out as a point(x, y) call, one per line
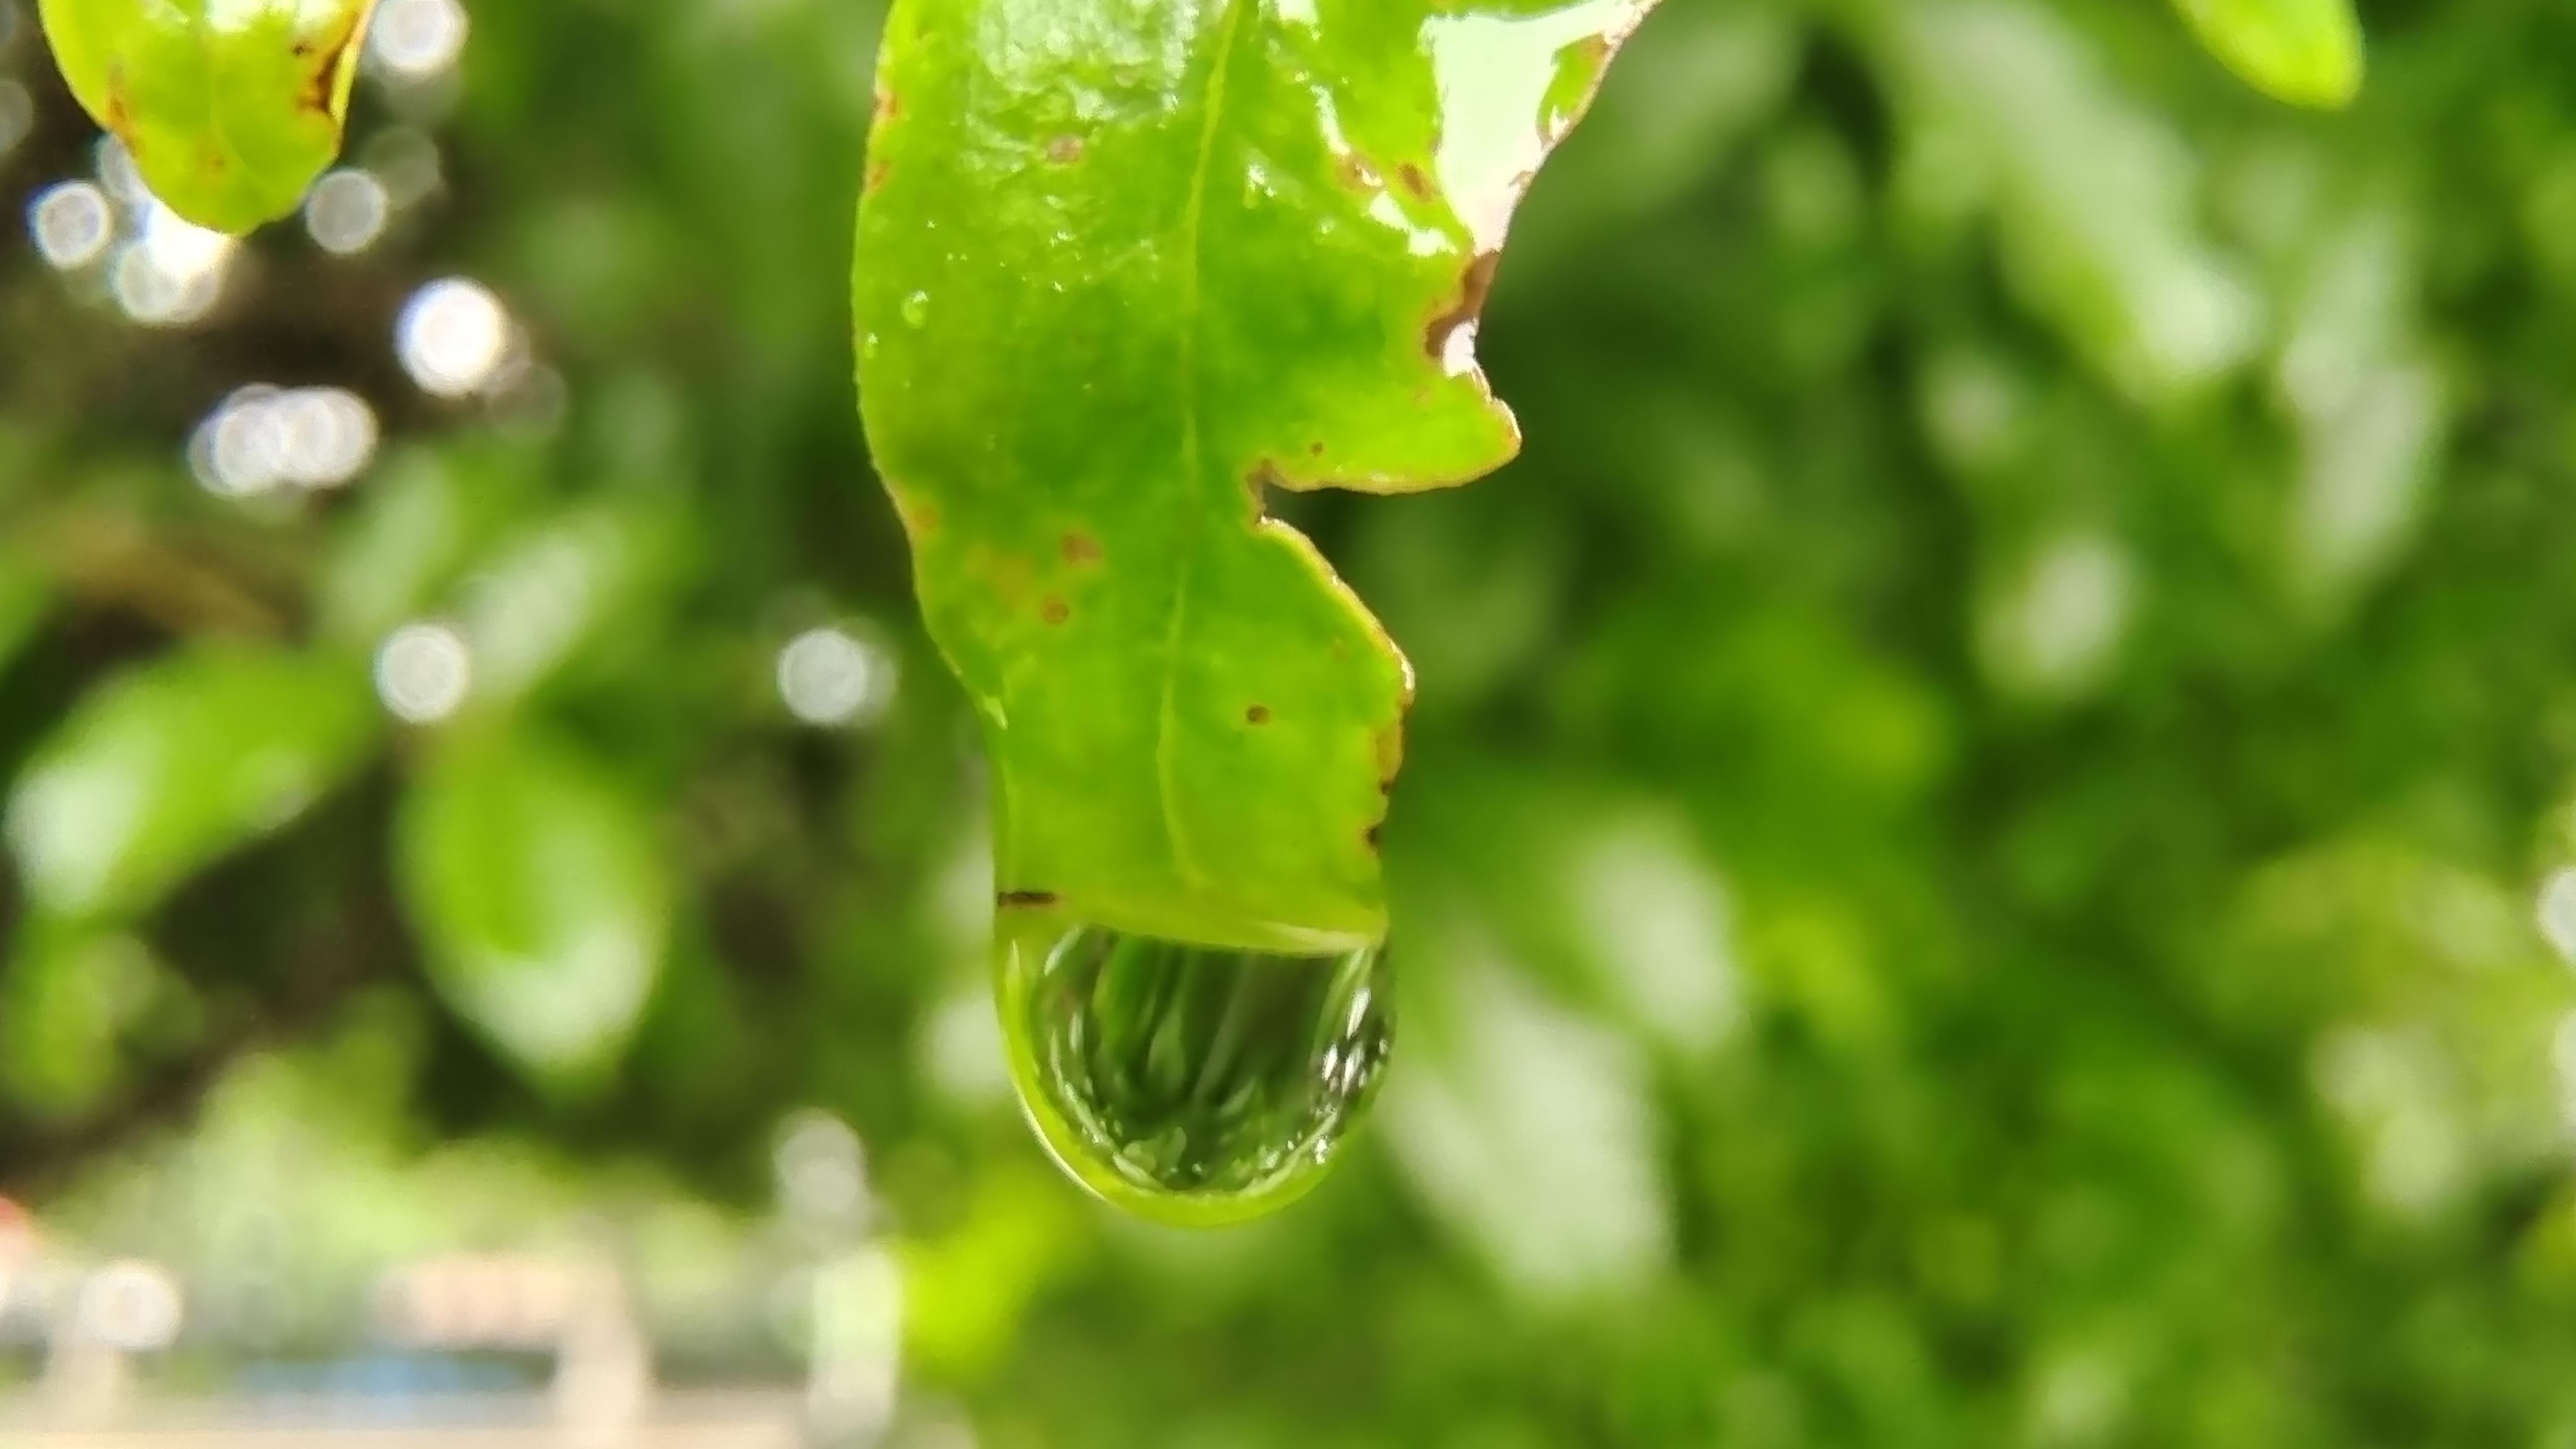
point(200, 23)
point(1193, 448)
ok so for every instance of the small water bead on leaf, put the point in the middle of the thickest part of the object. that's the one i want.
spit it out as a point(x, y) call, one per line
point(1193, 1085)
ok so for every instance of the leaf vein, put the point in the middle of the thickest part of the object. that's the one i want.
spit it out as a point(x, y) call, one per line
point(1193, 444)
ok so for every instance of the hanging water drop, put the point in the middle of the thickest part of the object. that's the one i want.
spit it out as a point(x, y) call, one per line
point(916, 309)
point(1191, 1084)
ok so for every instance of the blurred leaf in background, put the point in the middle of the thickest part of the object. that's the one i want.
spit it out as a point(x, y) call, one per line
point(538, 890)
point(161, 771)
point(2307, 52)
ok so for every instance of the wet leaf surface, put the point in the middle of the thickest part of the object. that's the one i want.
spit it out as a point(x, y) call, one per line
point(1123, 269)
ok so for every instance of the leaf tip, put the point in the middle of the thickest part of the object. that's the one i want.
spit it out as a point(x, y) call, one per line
point(2306, 53)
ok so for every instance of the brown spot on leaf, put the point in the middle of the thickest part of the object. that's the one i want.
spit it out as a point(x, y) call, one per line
point(1371, 836)
point(1390, 751)
point(328, 58)
point(120, 115)
point(1026, 900)
point(317, 93)
point(1414, 179)
point(1259, 714)
point(1064, 150)
point(1257, 484)
point(1355, 172)
point(1315, 448)
point(1081, 548)
point(877, 173)
point(920, 518)
point(889, 107)
point(1473, 288)
point(1055, 610)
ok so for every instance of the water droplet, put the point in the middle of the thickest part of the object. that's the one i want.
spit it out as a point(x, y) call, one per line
point(916, 309)
point(1194, 1085)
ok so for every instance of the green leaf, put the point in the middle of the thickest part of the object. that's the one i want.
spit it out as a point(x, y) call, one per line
point(26, 593)
point(401, 542)
point(1122, 269)
point(1531, 1132)
point(2096, 199)
point(2305, 52)
point(560, 589)
point(70, 992)
point(160, 771)
point(536, 886)
point(231, 107)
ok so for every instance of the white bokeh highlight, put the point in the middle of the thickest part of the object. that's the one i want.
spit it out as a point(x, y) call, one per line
point(424, 672)
point(131, 1306)
point(172, 273)
point(264, 438)
point(71, 224)
point(417, 39)
point(832, 678)
point(454, 337)
point(346, 212)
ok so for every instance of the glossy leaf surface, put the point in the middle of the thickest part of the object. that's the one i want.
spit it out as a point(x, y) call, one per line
point(231, 107)
point(2305, 52)
point(1123, 268)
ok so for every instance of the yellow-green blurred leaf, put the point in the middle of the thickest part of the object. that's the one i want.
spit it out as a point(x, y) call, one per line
point(230, 109)
point(2305, 52)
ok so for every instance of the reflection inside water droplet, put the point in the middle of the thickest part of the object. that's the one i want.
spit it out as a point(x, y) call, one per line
point(916, 309)
point(1191, 1084)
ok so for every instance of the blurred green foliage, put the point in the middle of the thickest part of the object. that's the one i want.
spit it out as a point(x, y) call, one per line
point(1968, 872)
point(2307, 52)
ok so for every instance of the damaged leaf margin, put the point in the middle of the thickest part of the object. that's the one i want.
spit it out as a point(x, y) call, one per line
point(1124, 267)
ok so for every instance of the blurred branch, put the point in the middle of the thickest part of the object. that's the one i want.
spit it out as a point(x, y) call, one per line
point(111, 559)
